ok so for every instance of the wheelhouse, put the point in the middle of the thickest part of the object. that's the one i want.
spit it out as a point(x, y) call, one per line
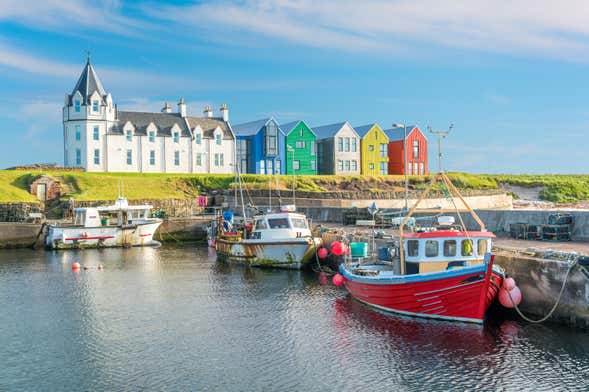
point(280, 225)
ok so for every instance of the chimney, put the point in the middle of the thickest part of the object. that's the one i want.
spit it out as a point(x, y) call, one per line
point(182, 108)
point(225, 112)
point(167, 108)
point(208, 112)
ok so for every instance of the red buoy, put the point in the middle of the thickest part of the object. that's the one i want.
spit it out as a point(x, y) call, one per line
point(337, 248)
point(510, 299)
point(338, 280)
point(75, 266)
point(322, 253)
point(509, 284)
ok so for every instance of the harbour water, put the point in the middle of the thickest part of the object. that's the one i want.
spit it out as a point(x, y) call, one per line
point(175, 319)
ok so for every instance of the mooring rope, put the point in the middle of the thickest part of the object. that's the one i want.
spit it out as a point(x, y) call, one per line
point(571, 266)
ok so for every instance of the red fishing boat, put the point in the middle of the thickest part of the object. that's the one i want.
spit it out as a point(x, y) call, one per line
point(443, 272)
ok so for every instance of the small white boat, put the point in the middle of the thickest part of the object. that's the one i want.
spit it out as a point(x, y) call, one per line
point(278, 240)
point(109, 226)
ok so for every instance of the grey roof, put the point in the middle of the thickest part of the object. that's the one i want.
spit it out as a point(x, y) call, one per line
point(88, 83)
point(208, 126)
point(363, 130)
point(288, 127)
point(163, 122)
point(397, 134)
point(250, 128)
point(327, 131)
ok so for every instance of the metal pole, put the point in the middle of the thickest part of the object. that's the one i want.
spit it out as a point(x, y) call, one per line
point(405, 163)
point(293, 179)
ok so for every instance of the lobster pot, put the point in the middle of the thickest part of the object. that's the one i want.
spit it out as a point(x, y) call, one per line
point(359, 249)
point(556, 232)
point(519, 230)
point(560, 219)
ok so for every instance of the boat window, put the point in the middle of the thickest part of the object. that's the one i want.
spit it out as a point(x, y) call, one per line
point(449, 248)
point(482, 247)
point(261, 224)
point(431, 248)
point(412, 247)
point(299, 223)
point(467, 247)
point(278, 223)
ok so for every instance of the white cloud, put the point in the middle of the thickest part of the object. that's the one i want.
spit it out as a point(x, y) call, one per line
point(527, 26)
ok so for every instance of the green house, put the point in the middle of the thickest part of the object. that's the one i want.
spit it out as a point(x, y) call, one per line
point(301, 148)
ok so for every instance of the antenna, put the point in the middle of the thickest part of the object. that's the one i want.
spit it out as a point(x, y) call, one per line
point(441, 134)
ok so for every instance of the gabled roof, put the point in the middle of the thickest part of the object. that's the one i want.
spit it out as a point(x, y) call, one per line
point(253, 127)
point(363, 130)
point(327, 131)
point(208, 126)
point(397, 134)
point(289, 127)
point(88, 83)
point(163, 121)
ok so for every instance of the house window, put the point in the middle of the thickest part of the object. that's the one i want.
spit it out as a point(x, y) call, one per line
point(354, 166)
point(354, 147)
point(340, 144)
point(277, 166)
point(262, 167)
point(313, 147)
point(218, 138)
point(96, 156)
point(431, 248)
point(176, 137)
point(197, 138)
point(301, 132)
point(269, 167)
point(95, 106)
point(421, 168)
point(415, 149)
point(271, 139)
point(347, 166)
point(384, 170)
point(296, 165)
point(371, 166)
point(129, 157)
point(383, 150)
point(242, 155)
point(313, 165)
point(198, 159)
point(129, 135)
point(176, 158)
point(370, 147)
point(78, 157)
point(415, 168)
point(216, 159)
point(221, 157)
point(152, 157)
point(151, 136)
point(95, 134)
point(78, 134)
point(347, 144)
point(300, 144)
point(77, 105)
point(340, 165)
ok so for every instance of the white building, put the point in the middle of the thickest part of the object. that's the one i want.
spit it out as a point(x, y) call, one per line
point(98, 137)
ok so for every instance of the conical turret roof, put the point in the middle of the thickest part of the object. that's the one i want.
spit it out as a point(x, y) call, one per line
point(88, 83)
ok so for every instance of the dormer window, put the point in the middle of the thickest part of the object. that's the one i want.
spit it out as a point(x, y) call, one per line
point(176, 137)
point(197, 138)
point(95, 106)
point(129, 135)
point(151, 136)
point(77, 105)
point(218, 138)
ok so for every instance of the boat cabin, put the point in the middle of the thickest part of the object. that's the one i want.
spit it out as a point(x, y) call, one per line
point(121, 213)
point(280, 226)
point(441, 250)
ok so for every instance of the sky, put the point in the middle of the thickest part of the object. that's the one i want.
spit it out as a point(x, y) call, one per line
point(512, 79)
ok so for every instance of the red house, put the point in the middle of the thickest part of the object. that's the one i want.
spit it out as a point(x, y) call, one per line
point(416, 151)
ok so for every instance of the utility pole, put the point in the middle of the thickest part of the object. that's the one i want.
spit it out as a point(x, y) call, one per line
point(440, 135)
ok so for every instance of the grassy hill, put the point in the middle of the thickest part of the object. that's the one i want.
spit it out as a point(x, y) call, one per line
point(14, 184)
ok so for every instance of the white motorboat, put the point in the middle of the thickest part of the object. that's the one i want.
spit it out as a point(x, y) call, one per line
point(118, 225)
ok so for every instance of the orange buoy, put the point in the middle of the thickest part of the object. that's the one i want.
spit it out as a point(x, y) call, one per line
point(338, 280)
point(75, 266)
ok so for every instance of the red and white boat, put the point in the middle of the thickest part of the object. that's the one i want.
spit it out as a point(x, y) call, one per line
point(444, 272)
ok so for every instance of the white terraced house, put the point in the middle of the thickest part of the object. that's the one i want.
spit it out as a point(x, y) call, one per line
point(100, 138)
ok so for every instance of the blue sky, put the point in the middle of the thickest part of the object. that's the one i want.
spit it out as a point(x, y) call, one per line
point(513, 79)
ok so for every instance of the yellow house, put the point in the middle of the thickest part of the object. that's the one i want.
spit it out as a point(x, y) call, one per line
point(374, 146)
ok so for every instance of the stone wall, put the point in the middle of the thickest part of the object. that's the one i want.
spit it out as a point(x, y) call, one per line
point(17, 212)
point(172, 207)
point(19, 235)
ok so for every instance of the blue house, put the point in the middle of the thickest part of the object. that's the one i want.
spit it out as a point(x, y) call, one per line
point(260, 147)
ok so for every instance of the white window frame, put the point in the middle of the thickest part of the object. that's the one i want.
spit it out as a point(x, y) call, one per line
point(176, 158)
point(129, 135)
point(96, 133)
point(152, 157)
point(151, 136)
point(296, 165)
point(129, 157)
point(97, 156)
